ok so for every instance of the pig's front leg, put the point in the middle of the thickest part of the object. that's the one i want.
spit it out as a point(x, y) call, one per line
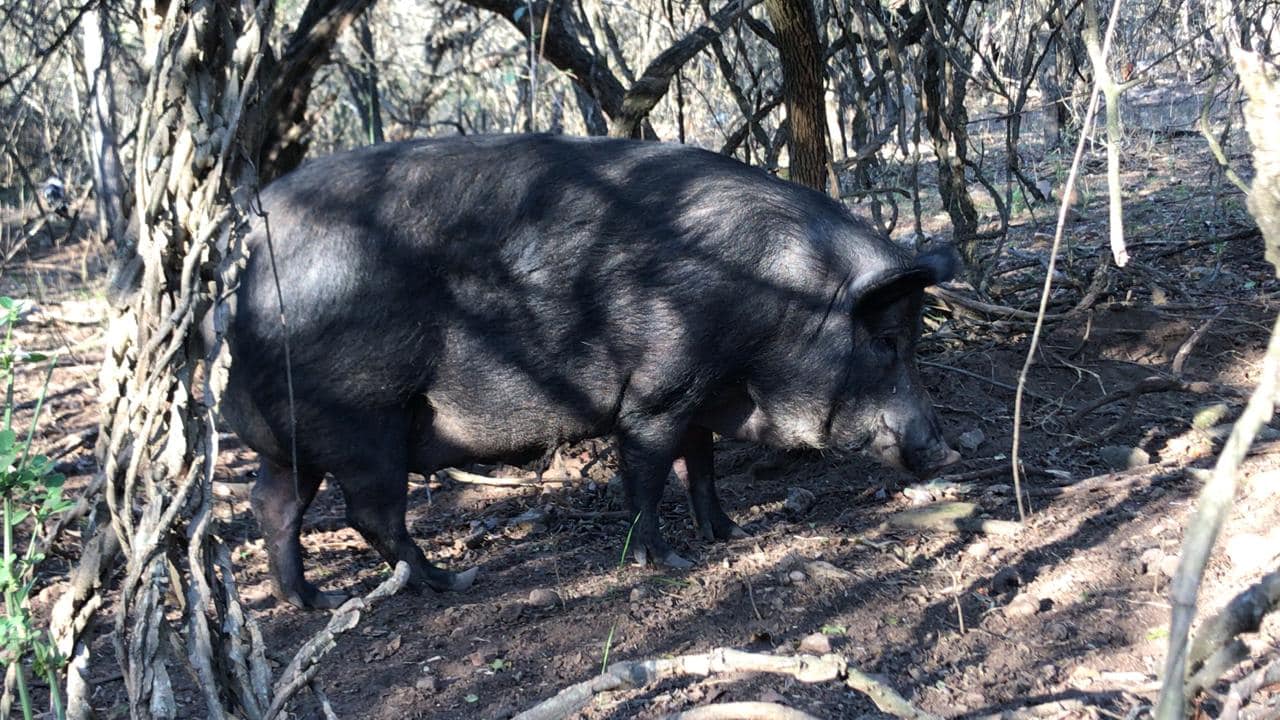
point(647, 448)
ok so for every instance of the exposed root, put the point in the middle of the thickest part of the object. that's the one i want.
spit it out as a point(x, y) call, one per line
point(805, 668)
point(463, 476)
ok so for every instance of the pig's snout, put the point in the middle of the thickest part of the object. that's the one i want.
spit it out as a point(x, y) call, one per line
point(919, 448)
point(930, 462)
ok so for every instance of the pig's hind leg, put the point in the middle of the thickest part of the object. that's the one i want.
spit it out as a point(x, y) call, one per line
point(279, 504)
point(375, 484)
point(695, 466)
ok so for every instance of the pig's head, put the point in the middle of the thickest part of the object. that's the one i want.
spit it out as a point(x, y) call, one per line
point(883, 408)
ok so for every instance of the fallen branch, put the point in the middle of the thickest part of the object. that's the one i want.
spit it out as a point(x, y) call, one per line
point(999, 311)
point(306, 662)
point(1147, 386)
point(1243, 614)
point(1247, 686)
point(742, 711)
point(1003, 312)
point(1184, 350)
point(804, 668)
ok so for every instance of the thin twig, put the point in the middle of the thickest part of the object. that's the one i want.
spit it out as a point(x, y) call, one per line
point(1063, 207)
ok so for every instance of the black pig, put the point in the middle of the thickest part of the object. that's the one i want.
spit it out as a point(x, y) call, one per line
point(481, 298)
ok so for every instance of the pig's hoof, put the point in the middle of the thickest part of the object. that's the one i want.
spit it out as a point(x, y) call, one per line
point(672, 560)
point(463, 580)
point(315, 600)
point(724, 529)
point(329, 600)
point(665, 557)
point(445, 580)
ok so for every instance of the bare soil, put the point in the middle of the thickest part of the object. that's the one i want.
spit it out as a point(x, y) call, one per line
point(1068, 614)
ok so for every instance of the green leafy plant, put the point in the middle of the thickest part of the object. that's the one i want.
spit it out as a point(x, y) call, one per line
point(31, 494)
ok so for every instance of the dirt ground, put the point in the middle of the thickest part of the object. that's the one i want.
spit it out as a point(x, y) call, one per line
point(1067, 614)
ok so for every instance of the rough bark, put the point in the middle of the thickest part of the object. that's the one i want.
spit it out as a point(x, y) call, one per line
point(795, 26)
point(157, 445)
point(291, 78)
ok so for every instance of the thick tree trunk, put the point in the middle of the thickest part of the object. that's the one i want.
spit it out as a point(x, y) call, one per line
point(795, 26)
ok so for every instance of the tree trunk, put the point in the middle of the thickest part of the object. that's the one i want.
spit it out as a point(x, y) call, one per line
point(645, 92)
point(157, 445)
point(292, 77)
point(943, 89)
point(796, 27)
point(367, 70)
point(104, 160)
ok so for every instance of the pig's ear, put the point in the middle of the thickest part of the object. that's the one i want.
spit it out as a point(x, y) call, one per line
point(930, 268)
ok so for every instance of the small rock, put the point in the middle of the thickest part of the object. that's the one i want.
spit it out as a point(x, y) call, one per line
point(971, 440)
point(815, 644)
point(1059, 631)
point(1022, 605)
point(825, 572)
point(482, 657)
point(974, 699)
point(427, 684)
point(1150, 560)
point(799, 501)
point(543, 598)
point(638, 594)
point(978, 550)
point(1209, 415)
point(1169, 565)
point(527, 524)
point(1004, 580)
point(797, 577)
point(772, 696)
point(1120, 457)
point(510, 612)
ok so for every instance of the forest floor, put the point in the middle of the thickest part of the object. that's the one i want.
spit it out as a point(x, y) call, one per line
point(1067, 614)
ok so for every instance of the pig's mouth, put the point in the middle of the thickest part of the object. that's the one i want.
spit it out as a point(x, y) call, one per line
point(888, 446)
